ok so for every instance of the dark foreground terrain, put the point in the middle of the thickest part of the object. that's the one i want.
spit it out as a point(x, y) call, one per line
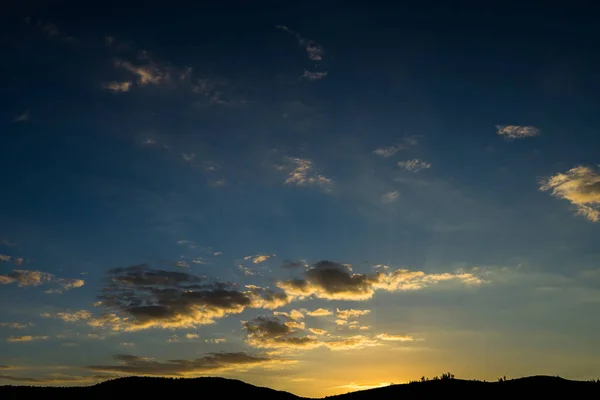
point(212, 388)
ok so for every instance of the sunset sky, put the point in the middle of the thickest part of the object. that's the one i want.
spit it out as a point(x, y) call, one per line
point(317, 197)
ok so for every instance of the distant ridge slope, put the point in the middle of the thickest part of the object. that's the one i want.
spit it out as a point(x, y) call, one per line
point(210, 388)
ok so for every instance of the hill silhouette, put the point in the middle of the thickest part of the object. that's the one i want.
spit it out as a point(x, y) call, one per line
point(202, 388)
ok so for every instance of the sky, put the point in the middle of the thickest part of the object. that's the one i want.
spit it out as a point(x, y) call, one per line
point(315, 197)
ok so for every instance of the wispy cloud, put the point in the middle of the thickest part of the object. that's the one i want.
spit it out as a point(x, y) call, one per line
point(35, 278)
point(389, 151)
point(510, 132)
point(212, 362)
point(314, 50)
point(390, 197)
point(118, 87)
point(25, 338)
point(395, 338)
point(259, 258)
point(314, 76)
point(580, 186)
point(67, 316)
point(23, 117)
point(415, 165)
point(15, 325)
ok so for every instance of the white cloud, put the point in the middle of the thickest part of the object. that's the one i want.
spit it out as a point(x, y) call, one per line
point(390, 197)
point(415, 165)
point(580, 186)
point(314, 76)
point(510, 132)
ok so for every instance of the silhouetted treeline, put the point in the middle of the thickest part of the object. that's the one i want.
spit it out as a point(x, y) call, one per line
point(445, 386)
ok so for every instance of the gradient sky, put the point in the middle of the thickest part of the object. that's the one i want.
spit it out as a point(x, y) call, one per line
point(316, 197)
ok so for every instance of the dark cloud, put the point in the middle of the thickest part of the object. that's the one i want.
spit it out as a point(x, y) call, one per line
point(335, 281)
point(212, 362)
point(272, 332)
point(150, 298)
point(291, 264)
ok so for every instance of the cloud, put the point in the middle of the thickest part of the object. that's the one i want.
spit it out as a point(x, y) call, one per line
point(215, 340)
point(139, 297)
point(75, 316)
point(118, 87)
point(35, 278)
point(353, 342)
point(315, 51)
point(15, 325)
point(319, 312)
point(314, 76)
point(302, 173)
point(394, 338)
point(390, 197)
point(317, 331)
point(273, 333)
point(350, 314)
point(192, 336)
point(212, 362)
point(56, 379)
point(389, 151)
point(23, 117)
point(334, 281)
point(148, 73)
point(25, 338)
point(259, 258)
point(292, 264)
point(580, 186)
point(415, 165)
point(510, 132)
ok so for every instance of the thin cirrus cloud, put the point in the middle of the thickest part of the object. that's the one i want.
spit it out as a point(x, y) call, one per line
point(415, 165)
point(313, 50)
point(580, 186)
point(390, 197)
point(118, 87)
point(314, 76)
point(25, 338)
point(389, 151)
point(147, 71)
point(213, 362)
point(15, 325)
point(259, 258)
point(75, 316)
point(510, 132)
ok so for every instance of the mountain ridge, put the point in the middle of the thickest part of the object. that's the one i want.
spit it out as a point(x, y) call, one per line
point(542, 385)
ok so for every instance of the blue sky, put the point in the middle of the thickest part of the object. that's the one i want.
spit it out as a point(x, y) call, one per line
point(272, 192)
